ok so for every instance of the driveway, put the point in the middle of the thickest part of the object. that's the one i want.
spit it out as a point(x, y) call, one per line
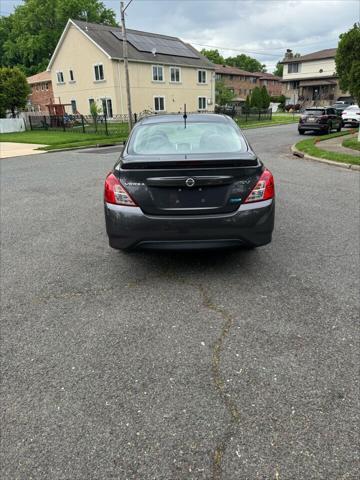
point(237, 365)
point(12, 149)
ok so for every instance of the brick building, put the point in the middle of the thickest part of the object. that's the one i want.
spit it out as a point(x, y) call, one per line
point(242, 83)
point(41, 92)
point(272, 83)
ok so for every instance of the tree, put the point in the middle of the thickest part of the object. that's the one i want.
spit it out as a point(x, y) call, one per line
point(29, 36)
point(279, 69)
point(95, 111)
point(214, 56)
point(265, 97)
point(347, 61)
point(354, 83)
point(246, 63)
point(223, 94)
point(14, 90)
point(256, 98)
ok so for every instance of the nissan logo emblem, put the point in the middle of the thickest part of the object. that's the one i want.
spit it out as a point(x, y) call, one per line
point(189, 182)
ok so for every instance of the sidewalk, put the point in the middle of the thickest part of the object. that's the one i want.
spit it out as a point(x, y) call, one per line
point(335, 145)
point(9, 149)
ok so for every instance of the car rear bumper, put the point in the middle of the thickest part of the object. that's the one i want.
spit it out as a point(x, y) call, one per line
point(313, 126)
point(350, 121)
point(129, 227)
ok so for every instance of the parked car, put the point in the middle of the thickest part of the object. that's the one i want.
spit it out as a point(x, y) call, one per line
point(340, 107)
point(351, 116)
point(319, 119)
point(188, 183)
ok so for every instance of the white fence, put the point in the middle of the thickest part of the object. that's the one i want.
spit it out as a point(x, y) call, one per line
point(8, 125)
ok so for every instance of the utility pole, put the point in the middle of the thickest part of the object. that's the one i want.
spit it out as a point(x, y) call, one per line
point(126, 63)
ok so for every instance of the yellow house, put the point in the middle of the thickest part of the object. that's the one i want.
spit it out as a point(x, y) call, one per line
point(165, 73)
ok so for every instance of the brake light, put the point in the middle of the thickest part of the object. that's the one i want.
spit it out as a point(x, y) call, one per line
point(264, 189)
point(115, 193)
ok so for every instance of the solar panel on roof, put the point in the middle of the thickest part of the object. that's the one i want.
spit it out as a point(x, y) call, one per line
point(166, 46)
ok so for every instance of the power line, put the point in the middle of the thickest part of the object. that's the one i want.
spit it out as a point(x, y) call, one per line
point(256, 52)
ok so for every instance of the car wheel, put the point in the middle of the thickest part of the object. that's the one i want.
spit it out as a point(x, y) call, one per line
point(301, 132)
point(339, 127)
point(328, 131)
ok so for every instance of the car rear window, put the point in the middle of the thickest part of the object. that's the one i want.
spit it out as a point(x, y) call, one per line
point(315, 112)
point(174, 138)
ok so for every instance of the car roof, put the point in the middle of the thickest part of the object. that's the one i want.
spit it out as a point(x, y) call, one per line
point(191, 117)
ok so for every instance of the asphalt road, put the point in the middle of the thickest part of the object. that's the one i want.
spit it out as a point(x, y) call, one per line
point(239, 365)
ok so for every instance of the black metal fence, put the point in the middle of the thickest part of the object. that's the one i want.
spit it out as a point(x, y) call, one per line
point(100, 124)
point(118, 124)
point(245, 113)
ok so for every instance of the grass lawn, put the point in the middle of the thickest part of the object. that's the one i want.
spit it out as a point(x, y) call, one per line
point(312, 147)
point(277, 119)
point(351, 143)
point(59, 139)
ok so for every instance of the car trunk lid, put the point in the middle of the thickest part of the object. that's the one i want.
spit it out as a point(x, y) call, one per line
point(188, 185)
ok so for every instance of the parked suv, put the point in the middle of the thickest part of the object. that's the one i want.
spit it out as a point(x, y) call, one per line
point(319, 119)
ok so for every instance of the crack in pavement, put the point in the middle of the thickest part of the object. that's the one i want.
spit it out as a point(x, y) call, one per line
point(220, 383)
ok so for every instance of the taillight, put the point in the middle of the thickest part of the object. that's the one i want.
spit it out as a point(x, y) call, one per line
point(115, 193)
point(264, 189)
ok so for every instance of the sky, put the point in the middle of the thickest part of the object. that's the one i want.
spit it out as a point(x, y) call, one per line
point(263, 29)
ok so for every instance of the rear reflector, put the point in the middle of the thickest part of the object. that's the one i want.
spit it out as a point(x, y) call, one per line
point(115, 193)
point(264, 189)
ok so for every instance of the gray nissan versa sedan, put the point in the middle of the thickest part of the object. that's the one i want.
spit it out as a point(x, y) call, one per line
point(188, 183)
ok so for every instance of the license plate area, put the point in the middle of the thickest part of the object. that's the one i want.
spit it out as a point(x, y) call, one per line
point(187, 198)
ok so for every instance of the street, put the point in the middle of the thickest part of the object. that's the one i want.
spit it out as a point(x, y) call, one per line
point(232, 365)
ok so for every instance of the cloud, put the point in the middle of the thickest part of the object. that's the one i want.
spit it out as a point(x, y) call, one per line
point(266, 27)
point(261, 28)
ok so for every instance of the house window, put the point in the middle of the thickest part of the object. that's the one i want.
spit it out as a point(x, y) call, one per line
point(99, 72)
point(159, 104)
point(71, 75)
point(293, 68)
point(73, 106)
point(175, 74)
point(201, 76)
point(47, 86)
point(60, 77)
point(158, 73)
point(91, 102)
point(202, 103)
point(107, 107)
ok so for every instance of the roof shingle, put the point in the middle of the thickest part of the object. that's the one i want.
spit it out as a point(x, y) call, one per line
point(102, 35)
point(320, 55)
point(39, 77)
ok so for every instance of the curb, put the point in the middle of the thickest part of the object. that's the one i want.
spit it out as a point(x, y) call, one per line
point(348, 166)
point(69, 149)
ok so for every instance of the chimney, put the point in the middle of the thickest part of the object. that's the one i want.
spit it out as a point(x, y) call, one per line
point(288, 54)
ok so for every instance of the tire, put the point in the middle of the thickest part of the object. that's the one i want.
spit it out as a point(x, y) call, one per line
point(301, 132)
point(328, 131)
point(339, 128)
